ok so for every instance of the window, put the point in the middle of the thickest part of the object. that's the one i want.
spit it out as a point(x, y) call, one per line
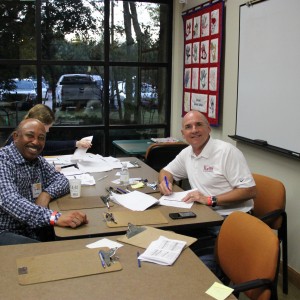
point(103, 66)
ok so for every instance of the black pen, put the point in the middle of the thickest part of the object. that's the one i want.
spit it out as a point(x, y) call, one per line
point(68, 166)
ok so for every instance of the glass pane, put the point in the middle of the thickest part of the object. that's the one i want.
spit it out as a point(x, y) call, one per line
point(139, 31)
point(17, 30)
point(69, 133)
point(75, 93)
point(72, 30)
point(137, 95)
point(17, 93)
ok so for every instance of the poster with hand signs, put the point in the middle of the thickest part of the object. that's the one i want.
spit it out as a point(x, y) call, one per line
point(203, 26)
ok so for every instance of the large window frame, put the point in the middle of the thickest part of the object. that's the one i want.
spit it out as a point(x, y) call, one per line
point(106, 128)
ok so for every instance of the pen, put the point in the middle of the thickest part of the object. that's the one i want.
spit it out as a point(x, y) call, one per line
point(102, 177)
point(121, 190)
point(68, 166)
point(102, 259)
point(138, 260)
point(167, 183)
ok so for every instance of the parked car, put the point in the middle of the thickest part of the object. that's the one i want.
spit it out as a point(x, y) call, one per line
point(77, 90)
point(148, 94)
point(23, 90)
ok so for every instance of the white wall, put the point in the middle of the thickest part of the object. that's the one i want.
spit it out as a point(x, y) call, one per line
point(285, 169)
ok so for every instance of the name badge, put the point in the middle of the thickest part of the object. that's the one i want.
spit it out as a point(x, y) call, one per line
point(36, 189)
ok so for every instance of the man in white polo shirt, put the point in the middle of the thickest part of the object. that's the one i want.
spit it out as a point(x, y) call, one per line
point(218, 174)
point(218, 170)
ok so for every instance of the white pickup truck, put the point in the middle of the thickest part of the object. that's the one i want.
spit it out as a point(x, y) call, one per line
point(77, 90)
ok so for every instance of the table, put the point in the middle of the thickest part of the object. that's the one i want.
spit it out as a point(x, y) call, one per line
point(133, 147)
point(97, 227)
point(188, 277)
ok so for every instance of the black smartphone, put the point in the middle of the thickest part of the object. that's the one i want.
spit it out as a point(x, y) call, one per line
point(182, 215)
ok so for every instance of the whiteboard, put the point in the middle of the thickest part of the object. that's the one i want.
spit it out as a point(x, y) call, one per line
point(268, 98)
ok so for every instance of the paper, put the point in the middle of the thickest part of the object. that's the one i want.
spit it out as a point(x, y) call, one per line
point(219, 291)
point(89, 162)
point(80, 152)
point(71, 171)
point(163, 251)
point(145, 237)
point(104, 243)
point(60, 160)
point(131, 180)
point(175, 199)
point(86, 179)
point(164, 140)
point(135, 200)
point(137, 185)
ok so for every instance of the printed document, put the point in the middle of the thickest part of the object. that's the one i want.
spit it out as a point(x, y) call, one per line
point(163, 251)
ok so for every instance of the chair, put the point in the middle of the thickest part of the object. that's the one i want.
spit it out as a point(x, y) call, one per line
point(269, 206)
point(248, 252)
point(158, 155)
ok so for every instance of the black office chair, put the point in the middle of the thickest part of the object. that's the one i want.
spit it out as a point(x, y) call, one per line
point(158, 155)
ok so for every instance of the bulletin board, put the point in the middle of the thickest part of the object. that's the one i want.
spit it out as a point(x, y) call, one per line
point(203, 32)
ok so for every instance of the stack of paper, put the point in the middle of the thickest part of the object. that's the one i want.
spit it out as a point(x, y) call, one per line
point(163, 251)
point(164, 140)
point(135, 200)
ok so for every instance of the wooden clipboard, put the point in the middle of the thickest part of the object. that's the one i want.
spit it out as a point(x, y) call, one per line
point(150, 234)
point(68, 203)
point(145, 189)
point(61, 265)
point(146, 217)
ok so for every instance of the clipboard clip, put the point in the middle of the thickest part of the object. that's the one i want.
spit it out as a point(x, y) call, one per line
point(134, 230)
point(109, 217)
point(109, 256)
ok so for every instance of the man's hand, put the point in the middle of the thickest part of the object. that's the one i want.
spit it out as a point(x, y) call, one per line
point(165, 180)
point(195, 196)
point(72, 219)
point(164, 189)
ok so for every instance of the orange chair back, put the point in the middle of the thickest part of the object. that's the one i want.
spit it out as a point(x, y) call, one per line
point(270, 197)
point(248, 249)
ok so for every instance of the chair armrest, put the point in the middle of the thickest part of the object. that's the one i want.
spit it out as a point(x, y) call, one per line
point(273, 214)
point(252, 284)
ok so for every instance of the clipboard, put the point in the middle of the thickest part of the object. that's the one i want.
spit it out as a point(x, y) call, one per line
point(145, 189)
point(68, 203)
point(146, 217)
point(144, 238)
point(62, 265)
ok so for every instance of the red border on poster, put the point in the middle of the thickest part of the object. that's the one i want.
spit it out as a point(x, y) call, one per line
point(203, 31)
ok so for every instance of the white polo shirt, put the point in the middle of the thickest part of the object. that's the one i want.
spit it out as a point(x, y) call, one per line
point(218, 169)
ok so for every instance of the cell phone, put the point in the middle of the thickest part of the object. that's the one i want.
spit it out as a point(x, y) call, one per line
point(182, 215)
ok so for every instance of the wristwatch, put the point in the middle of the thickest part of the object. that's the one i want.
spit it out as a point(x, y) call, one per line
point(214, 201)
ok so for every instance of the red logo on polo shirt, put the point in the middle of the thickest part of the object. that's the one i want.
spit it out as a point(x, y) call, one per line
point(208, 168)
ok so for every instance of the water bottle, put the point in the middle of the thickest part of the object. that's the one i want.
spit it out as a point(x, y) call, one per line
point(124, 174)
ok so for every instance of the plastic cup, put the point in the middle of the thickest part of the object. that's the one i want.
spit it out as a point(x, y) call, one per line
point(75, 187)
